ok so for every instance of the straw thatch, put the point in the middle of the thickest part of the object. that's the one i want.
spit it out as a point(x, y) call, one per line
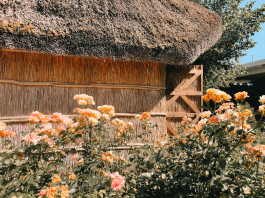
point(173, 31)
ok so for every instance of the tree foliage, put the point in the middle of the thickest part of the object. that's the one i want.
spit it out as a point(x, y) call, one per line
point(240, 23)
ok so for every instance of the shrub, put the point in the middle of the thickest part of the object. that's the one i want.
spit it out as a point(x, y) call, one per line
point(49, 162)
point(220, 156)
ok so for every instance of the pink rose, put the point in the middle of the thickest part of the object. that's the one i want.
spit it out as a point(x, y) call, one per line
point(118, 181)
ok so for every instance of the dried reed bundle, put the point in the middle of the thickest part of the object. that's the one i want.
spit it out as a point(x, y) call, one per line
point(22, 100)
point(41, 67)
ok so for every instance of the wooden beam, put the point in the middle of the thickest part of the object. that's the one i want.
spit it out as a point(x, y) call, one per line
point(202, 87)
point(171, 130)
point(69, 85)
point(189, 82)
point(191, 105)
point(186, 85)
point(196, 71)
point(187, 93)
point(192, 71)
point(171, 101)
point(196, 119)
point(24, 119)
point(180, 115)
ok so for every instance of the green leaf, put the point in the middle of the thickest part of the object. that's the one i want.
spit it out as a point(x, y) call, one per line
point(222, 163)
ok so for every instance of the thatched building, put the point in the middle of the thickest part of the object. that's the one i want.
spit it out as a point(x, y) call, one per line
point(131, 54)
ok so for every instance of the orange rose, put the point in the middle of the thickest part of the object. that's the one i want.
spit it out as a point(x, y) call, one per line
point(71, 176)
point(241, 96)
point(56, 179)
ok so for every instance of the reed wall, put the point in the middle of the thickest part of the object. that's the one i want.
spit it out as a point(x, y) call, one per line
point(19, 100)
point(41, 67)
point(32, 81)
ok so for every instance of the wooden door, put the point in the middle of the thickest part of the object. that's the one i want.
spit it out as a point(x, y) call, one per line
point(184, 90)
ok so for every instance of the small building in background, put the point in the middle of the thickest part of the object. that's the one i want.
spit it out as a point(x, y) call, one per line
point(253, 81)
point(255, 71)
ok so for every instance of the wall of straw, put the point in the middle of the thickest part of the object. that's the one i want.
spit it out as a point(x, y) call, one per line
point(41, 67)
point(24, 67)
point(32, 81)
point(22, 100)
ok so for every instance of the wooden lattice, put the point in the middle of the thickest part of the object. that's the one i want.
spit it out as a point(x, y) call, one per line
point(184, 95)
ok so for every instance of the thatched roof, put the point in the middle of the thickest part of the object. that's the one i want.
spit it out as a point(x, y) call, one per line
point(168, 31)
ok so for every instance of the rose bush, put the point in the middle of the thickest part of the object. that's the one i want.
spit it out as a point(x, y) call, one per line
point(220, 156)
point(64, 157)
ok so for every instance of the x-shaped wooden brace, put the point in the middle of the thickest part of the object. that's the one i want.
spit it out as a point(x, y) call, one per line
point(183, 93)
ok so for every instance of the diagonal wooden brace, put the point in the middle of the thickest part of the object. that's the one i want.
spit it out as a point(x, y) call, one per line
point(184, 88)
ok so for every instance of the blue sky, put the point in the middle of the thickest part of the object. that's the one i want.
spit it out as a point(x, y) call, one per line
point(257, 52)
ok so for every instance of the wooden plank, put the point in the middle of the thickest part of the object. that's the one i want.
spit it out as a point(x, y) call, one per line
point(68, 85)
point(188, 83)
point(201, 86)
point(196, 71)
point(180, 115)
point(191, 105)
point(196, 119)
point(23, 119)
point(171, 101)
point(192, 71)
point(187, 93)
point(171, 130)
point(134, 114)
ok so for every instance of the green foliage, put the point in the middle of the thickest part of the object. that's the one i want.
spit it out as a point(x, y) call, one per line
point(210, 159)
point(25, 170)
point(221, 62)
point(220, 156)
point(60, 157)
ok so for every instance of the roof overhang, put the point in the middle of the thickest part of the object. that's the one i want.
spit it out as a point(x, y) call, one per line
point(173, 32)
point(255, 70)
